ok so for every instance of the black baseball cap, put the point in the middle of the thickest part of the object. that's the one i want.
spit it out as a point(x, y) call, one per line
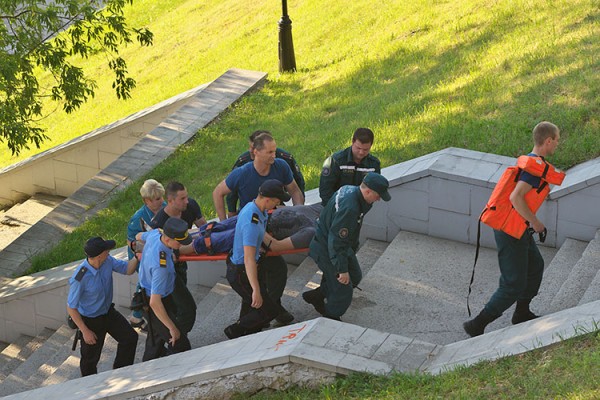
point(96, 245)
point(274, 189)
point(379, 184)
point(177, 229)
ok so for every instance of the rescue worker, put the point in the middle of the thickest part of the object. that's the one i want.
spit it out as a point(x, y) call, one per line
point(520, 261)
point(157, 278)
point(244, 270)
point(348, 166)
point(336, 241)
point(90, 306)
point(246, 157)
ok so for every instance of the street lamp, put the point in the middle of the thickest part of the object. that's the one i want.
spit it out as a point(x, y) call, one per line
point(287, 60)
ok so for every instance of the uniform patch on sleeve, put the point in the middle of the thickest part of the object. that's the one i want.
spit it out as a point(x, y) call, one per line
point(343, 233)
point(326, 171)
point(80, 274)
point(163, 259)
point(255, 219)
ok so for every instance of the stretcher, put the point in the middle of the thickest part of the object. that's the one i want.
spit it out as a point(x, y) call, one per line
point(223, 256)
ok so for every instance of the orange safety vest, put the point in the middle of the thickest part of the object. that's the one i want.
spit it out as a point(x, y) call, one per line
point(499, 212)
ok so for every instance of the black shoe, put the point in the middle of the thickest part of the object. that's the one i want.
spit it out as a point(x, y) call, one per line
point(316, 298)
point(234, 331)
point(284, 318)
point(476, 326)
point(519, 317)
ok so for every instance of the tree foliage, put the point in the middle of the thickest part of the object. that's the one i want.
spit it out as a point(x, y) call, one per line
point(50, 35)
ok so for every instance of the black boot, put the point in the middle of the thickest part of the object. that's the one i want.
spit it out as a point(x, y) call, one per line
point(476, 326)
point(316, 298)
point(522, 312)
point(234, 331)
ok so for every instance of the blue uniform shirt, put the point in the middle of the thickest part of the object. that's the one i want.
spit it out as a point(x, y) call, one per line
point(249, 231)
point(135, 224)
point(154, 277)
point(93, 294)
point(245, 181)
point(526, 177)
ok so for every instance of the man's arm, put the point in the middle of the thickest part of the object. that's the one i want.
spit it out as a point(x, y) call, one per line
point(252, 273)
point(89, 337)
point(220, 191)
point(296, 193)
point(329, 181)
point(277, 245)
point(161, 313)
point(517, 198)
point(132, 265)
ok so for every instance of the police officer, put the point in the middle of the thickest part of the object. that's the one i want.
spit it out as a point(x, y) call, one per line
point(157, 278)
point(180, 205)
point(90, 306)
point(244, 271)
point(348, 166)
point(246, 157)
point(336, 241)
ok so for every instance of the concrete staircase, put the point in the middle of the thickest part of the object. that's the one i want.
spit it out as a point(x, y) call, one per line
point(413, 289)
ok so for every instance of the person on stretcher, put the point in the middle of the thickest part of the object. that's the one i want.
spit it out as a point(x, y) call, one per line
point(288, 228)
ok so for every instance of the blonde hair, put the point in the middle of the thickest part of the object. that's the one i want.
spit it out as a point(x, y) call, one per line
point(152, 189)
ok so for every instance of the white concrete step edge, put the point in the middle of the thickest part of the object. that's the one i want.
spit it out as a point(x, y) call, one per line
point(579, 279)
point(56, 350)
point(16, 353)
point(592, 293)
point(557, 272)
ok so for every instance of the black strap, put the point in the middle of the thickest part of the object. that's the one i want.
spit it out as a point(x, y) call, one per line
point(207, 241)
point(475, 262)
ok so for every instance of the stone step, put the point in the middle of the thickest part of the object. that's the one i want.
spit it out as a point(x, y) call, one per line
point(56, 349)
point(20, 217)
point(418, 288)
point(592, 293)
point(14, 354)
point(583, 273)
point(367, 256)
point(203, 333)
point(16, 381)
point(556, 273)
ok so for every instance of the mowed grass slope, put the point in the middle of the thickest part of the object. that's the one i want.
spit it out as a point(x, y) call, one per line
point(474, 74)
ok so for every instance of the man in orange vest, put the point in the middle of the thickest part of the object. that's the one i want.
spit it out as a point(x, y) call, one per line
point(521, 264)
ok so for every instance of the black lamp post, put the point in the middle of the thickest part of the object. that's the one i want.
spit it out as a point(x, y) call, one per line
point(287, 60)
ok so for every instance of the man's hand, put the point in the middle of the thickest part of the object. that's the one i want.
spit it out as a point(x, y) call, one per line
point(175, 335)
point(89, 337)
point(257, 299)
point(343, 278)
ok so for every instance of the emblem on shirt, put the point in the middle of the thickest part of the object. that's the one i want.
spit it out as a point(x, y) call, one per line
point(163, 259)
point(255, 219)
point(343, 233)
point(80, 274)
point(326, 171)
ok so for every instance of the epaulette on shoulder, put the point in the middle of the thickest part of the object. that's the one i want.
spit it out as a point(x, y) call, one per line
point(284, 155)
point(163, 259)
point(80, 274)
point(255, 219)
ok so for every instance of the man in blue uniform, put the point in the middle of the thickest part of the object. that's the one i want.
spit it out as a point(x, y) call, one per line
point(152, 193)
point(91, 308)
point(348, 166)
point(179, 205)
point(157, 278)
point(336, 241)
point(248, 156)
point(244, 272)
point(245, 181)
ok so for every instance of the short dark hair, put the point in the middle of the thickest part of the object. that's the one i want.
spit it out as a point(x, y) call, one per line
point(257, 133)
point(363, 135)
point(259, 141)
point(172, 189)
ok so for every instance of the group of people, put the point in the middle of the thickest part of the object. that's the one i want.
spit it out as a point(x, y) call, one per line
point(262, 179)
